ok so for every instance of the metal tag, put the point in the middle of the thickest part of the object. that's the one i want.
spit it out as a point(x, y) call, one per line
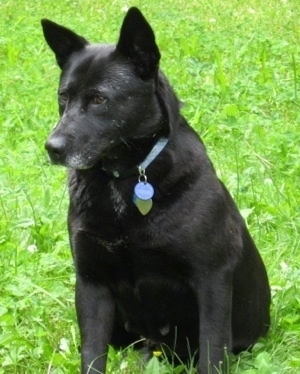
point(144, 191)
point(144, 206)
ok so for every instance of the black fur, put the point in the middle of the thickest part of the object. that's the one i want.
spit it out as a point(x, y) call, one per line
point(187, 275)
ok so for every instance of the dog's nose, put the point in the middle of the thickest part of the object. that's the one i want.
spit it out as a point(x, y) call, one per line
point(56, 147)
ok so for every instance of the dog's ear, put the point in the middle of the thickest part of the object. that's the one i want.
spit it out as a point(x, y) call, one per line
point(62, 41)
point(137, 42)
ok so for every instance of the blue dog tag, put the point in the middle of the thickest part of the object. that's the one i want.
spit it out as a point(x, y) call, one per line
point(144, 191)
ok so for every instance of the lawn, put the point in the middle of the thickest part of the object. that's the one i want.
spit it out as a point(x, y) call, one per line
point(236, 66)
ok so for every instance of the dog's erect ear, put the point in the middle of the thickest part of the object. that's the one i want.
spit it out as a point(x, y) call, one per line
point(62, 41)
point(137, 42)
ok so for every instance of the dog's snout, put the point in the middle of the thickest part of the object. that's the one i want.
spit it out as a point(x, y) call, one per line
point(56, 147)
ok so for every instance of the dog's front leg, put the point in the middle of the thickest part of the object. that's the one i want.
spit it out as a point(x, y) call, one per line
point(215, 300)
point(95, 313)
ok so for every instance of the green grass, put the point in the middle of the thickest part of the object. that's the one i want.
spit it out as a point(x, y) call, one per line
point(236, 65)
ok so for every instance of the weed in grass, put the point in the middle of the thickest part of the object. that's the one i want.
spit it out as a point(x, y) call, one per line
point(235, 64)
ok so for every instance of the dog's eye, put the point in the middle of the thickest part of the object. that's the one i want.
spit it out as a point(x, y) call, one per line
point(63, 97)
point(97, 100)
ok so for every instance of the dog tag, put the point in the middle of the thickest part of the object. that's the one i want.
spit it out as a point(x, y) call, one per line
point(144, 191)
point(144, 206)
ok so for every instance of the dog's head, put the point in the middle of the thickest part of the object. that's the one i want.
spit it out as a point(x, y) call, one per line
point(107, 94)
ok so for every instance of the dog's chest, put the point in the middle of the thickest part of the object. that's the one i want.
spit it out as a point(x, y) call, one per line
point(96, 197)
point(119, 204)
point(138, 257)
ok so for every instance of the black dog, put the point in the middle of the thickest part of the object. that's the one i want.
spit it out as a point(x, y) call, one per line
point(159, 246)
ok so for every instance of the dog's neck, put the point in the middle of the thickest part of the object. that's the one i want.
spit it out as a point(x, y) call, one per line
point(135, 158)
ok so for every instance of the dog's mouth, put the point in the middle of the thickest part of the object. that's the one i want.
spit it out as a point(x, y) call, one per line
point(114, 157)
point(111, 156)
point(61, 153)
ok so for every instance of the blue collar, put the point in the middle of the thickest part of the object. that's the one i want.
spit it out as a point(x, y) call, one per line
point(155, 151)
